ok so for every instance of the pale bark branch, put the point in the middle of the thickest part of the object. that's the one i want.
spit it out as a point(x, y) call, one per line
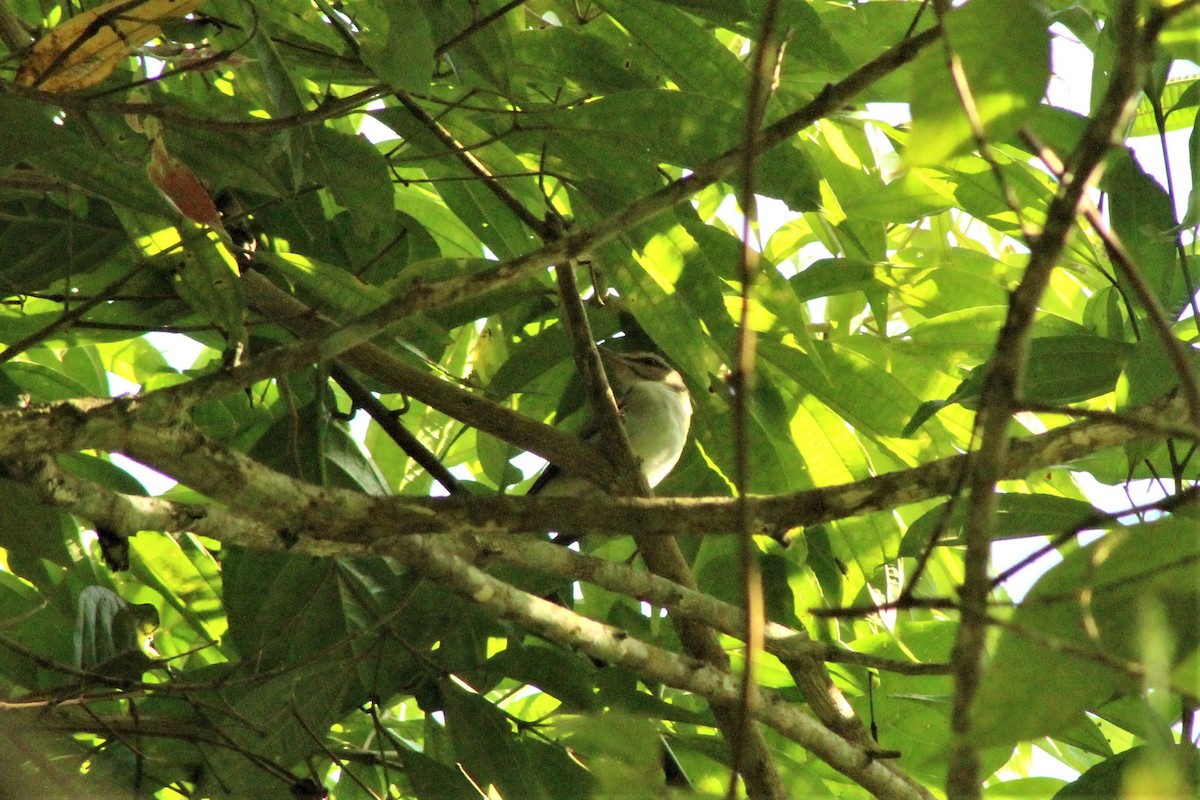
point(129, 514)
point(150, 430)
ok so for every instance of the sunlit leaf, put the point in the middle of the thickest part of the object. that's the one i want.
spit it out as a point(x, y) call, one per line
point(85, 49)
point(1003, 48)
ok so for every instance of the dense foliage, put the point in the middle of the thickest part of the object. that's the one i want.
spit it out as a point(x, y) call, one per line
point(425, 213)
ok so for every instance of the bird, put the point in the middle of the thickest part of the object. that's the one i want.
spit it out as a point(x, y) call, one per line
point(656, 411)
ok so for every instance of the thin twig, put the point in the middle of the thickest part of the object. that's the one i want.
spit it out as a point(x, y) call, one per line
point(764, 59)
point(329, 108)
point(576, 243)
point(1097, 520)
point(70, 316)
point(478, 169)
point(557, 446)
point(475, 27)
point(962, 87)
point(388, 422)
point(1178, 354)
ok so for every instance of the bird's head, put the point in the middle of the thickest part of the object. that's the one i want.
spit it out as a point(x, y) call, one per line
point(626, 369)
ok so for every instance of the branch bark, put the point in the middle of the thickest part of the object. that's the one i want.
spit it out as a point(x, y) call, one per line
point(1002, 387)
point(153, 430)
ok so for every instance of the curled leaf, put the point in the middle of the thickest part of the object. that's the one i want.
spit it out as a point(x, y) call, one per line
point(85, 49)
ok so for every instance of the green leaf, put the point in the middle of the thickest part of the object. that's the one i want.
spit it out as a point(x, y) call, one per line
point(1149, 375)
point(910, 712)
point(208, 282)
point(830, 276)
point(102, 471)
point(938, 281)
point(1191, 216)
point(31, 528)
point(1142, 769)
point(970, 334)
point(1062, 369)
point(1144, 220)
point(356, 173)
point(43, 384)
point(1100, 602)
point(1004, 49)
point(679, 47)
point(434, 780)
point(41, 242)
point(324, 285)
point(1023, 789)
point(916, 194)
point(728, 12)
point(396, 44)
point(564, 675)
point(486, 56)
point(1181, 94)
point(186, 576)
point(680, 128)
point(1017, 516)
point(487, 749)
point(598, 58)
point(28, 130)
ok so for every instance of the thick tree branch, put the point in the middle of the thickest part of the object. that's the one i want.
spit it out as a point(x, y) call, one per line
point(243, 481)
point(612, 645)
point(149, 430)
point(295, 508)
point(129, 514)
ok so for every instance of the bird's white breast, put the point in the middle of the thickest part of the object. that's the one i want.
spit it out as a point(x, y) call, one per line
point(657, 418)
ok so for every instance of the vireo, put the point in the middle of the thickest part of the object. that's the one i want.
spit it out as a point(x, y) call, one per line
point(656, 410)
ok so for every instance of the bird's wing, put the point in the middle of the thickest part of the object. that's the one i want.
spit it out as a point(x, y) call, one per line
point(589, 432)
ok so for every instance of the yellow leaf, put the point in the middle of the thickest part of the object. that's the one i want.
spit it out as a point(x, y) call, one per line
point(85, 49)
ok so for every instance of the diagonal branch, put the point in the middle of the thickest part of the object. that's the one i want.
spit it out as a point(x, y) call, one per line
point(476, 168)
point(742, 376)
point(558, 447)
point(1160, 321)
point(1157, 313)
point(424, 297)
point(1001, 389)
point(129, 514)
point(441, 294)
point(389, 422)
point(244, 482)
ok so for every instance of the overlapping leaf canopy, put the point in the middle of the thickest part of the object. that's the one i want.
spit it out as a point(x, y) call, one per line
point(408, 211)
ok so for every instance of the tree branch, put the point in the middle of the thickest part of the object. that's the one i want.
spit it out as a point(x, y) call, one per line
point(150, 429)
point(1001, 388)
